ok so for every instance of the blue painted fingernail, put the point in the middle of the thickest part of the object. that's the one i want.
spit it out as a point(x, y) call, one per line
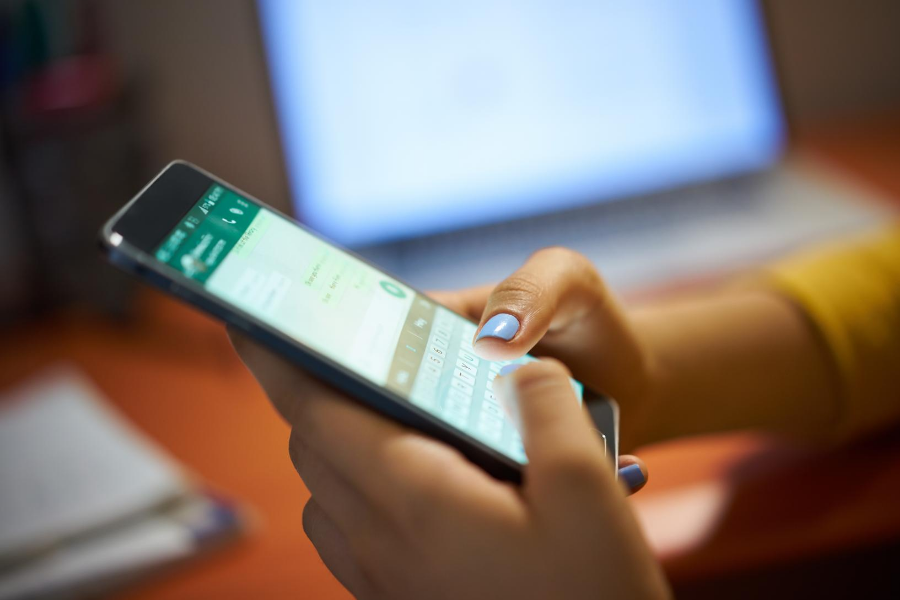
point(632, 476)
point(510, 368)
point(501, 326)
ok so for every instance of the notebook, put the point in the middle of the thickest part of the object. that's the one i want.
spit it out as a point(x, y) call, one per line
point(87, 502)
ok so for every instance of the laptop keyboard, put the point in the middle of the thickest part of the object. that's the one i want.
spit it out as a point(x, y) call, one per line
point(641, 242)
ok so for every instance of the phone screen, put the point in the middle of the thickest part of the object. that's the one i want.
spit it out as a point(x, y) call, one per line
point(344, 309)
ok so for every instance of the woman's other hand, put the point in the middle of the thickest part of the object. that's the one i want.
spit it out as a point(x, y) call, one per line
point(395, 514)
point(558, 304)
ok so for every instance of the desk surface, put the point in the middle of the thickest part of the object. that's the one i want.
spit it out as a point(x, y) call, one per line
point(173, 373)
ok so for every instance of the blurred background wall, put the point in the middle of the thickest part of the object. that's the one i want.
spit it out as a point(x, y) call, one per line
point(205, 87)
point(836, 56)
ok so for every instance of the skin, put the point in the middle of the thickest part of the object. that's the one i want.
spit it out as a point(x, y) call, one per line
point(732, 359)
point(395, 514)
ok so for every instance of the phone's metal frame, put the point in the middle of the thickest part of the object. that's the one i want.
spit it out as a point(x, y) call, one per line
point(134, 260)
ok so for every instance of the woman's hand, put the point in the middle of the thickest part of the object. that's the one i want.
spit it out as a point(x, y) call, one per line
point(395, 514)
point(558, 304)
point(733, 358)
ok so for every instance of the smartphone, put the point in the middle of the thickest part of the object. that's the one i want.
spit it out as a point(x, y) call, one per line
point(342, 319)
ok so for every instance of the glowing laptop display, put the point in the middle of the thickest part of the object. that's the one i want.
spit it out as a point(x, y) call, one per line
point(404, 118)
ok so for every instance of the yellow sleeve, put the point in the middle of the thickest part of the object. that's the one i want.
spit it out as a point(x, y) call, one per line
point(851, 292)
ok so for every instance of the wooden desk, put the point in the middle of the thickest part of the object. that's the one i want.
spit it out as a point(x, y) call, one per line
point(173, 373)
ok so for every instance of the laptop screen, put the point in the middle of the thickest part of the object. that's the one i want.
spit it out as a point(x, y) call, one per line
point(403, 118)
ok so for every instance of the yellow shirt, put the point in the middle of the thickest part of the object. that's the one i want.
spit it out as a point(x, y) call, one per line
point(851, 292)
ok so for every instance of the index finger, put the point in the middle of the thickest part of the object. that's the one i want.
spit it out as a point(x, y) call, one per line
point(274, 373)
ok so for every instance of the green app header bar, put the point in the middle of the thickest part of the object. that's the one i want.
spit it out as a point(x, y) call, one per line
point(206, 235)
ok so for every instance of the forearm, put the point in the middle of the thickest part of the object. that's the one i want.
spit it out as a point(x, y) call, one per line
point(734, 360)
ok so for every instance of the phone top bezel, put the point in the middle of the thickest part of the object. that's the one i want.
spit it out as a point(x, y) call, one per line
point(142, 219)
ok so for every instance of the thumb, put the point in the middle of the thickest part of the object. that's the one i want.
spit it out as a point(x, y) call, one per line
point(553, 288)
point(559, 439)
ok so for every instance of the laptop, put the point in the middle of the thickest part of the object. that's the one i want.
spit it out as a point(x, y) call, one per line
point(448, 141)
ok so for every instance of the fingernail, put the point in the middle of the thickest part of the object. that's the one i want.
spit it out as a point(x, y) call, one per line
point(510, 368)
point(505, 390)
point(501, 326)
point(632, 476)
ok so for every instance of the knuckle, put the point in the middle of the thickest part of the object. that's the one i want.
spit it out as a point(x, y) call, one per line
point(575, 262)
point(365, 541)
point(320, 530)
point(562, 257)
point(559, 255)
point(312, 519)
point(519, 288)
point(576, 267)
point(311, 468)
point(297, 452)
point(238, 341)
point(294, 408)
point(282, 392)
point(307, 406)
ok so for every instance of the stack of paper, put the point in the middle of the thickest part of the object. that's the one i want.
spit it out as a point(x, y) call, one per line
point(86, 502)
